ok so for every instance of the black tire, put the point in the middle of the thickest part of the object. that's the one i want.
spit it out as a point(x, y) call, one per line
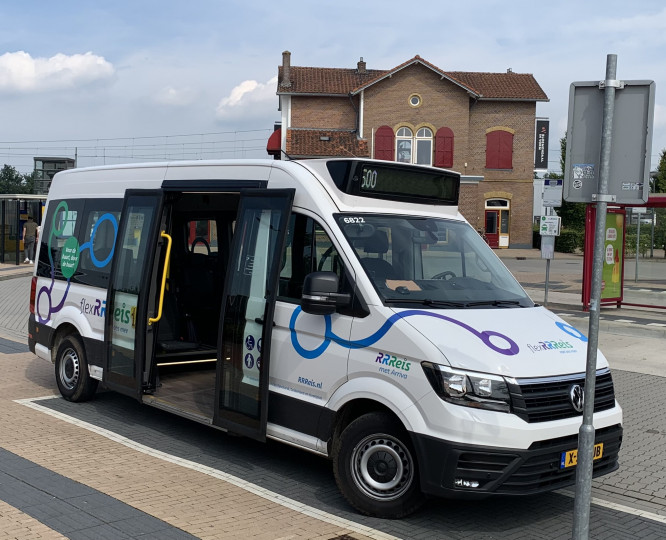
point(71, 370)
point(375, 467)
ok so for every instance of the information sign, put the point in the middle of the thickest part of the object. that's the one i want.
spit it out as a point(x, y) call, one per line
point(552, 192)
point(549, 225)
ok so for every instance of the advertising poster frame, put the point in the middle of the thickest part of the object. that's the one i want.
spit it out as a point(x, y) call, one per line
point(612, 286)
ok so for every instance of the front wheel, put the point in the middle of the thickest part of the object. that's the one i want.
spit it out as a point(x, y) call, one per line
point(71, 371)
point(375, 467)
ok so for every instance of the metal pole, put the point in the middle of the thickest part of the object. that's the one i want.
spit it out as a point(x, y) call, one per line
point(545, 297)
point(4, 228)
point(638, 244)
point(652, 235)
point(18, 229)
point(581, 522)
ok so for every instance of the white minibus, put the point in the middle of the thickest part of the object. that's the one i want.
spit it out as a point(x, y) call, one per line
point(343, 306)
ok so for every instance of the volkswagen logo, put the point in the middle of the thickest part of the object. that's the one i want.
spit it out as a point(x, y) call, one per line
point(577, 397)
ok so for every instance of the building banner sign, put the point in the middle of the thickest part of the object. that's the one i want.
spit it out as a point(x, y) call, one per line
point(541, 146)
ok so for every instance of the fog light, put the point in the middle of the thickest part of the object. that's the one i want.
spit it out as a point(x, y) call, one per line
point(461, 482)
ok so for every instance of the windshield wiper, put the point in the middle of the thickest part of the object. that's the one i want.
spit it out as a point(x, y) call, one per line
point(496, 303)
point(427, 302)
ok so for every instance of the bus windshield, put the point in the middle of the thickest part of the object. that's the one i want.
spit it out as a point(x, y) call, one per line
point(432, 262)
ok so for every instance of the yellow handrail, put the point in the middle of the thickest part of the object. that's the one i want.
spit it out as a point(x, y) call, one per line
point(167, 258)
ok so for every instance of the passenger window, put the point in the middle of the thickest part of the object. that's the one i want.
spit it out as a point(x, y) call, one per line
point(202, 236)
point(308, 249)
point(98, 237)
point(61, 223)
point(327, 256)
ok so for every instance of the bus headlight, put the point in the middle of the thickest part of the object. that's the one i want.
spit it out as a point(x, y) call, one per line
point(468, 388)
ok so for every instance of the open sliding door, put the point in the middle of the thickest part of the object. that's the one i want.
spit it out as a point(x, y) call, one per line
point(128, 297)
point(248, 304)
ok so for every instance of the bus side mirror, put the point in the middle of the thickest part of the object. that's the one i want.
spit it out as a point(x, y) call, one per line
point(320, 294)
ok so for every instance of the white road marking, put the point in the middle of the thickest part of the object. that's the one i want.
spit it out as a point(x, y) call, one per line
point(622, 508)
point(210, 471)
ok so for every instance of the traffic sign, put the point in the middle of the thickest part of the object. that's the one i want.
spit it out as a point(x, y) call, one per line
point(631, 142)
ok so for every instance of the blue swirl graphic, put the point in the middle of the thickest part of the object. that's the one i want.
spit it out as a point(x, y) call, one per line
point(485, 335)
point(89, 244)
point(573, 332)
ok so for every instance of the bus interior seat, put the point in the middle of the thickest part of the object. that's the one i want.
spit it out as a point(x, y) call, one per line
point(378, 268)
point(201, 293)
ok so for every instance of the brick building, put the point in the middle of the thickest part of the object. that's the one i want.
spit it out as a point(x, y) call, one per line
point(479, 124)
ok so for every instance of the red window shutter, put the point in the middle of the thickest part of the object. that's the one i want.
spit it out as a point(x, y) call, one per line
point(505, 150)
point(499, 150)
point(492, 150)
point(444, 147)
point(384, 143)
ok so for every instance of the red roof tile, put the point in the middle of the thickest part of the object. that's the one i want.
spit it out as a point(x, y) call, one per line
point(309, 143)
point(502, 85)
point(311, 80)
point(509, 86)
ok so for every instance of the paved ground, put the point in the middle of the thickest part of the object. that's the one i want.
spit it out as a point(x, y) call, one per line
point(112, 468)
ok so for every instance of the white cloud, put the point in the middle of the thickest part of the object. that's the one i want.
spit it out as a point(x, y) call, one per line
point(246, 94)
point(20, 72)
point(176, 96)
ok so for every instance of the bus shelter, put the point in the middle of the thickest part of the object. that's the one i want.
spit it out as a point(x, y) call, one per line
point(613, 272)
point(14, 212)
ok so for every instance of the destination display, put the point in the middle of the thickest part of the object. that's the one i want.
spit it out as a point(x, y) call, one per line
point(396, 182)
point(409, 183)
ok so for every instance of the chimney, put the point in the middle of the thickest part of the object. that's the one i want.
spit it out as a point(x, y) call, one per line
point(509, 70)
point(360, 66)
point(286, 69)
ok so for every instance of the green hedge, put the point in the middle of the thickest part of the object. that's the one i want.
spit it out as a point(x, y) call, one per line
point(569, 241)
point(630, 244)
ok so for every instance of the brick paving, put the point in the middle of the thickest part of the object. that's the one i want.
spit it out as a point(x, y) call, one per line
point(190, 501)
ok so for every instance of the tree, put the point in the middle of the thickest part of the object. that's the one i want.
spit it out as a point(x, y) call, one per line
point(572, 214)
point(658, 185)
point(11, 181)
point(658, 182)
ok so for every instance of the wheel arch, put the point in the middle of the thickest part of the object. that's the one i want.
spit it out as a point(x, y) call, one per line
point(59, 334)
point(354, 399)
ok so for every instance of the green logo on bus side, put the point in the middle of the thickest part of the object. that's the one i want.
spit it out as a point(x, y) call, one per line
point(69, 257)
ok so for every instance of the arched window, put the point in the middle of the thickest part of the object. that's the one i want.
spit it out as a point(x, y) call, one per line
point(403, 145)
point(423, 147)
point(414, 149)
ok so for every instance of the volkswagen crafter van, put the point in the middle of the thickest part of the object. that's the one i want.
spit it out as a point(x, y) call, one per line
point(343, 306)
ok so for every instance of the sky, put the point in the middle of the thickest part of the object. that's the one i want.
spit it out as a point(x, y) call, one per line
point(121, 81)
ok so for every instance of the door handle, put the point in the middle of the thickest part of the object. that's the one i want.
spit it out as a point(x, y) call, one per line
point(167, 258)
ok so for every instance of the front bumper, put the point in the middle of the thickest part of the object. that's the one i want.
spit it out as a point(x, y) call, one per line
point(502, 471)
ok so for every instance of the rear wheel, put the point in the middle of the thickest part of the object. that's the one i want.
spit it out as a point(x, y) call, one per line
point(71, 371)
point(375, 467)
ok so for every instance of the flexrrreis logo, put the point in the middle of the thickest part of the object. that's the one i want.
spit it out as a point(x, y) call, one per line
point(560, 345)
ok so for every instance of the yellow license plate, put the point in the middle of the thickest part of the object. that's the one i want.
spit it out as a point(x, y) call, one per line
point(570, 457)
